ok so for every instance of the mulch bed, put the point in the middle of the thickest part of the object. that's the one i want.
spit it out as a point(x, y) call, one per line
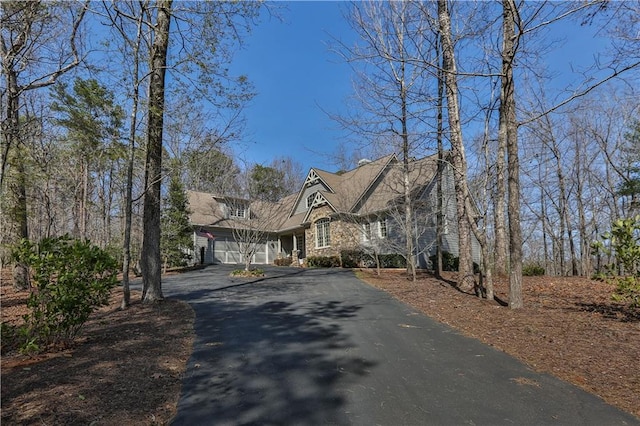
point(126, 368)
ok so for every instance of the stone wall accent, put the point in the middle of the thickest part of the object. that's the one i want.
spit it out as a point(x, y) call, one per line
point(343, 234)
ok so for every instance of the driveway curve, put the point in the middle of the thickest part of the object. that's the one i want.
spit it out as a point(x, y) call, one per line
point(319, 346)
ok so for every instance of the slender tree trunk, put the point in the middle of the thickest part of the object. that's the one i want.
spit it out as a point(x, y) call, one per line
point(408, 208)
point(543, 223)
point(128, 201)
point(500, 257)
point(151, 262)
point(20, 271)
point(466, 279)
point(515, 232)
point(11, 142)
point(585, 255)
point(440, 168)
point(84, 201)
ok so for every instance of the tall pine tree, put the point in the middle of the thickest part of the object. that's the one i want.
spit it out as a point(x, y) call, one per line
point(176, 233)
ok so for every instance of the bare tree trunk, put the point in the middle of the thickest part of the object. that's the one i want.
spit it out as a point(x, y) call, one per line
point(466, 279)
point(500, 257)
point(439, 179)
point(151, 262)
point(11, 141)
point(17, 50)
point(543, 220)
point(411, 263)
point(510, 14)
point(20, 271)
point(128, 199)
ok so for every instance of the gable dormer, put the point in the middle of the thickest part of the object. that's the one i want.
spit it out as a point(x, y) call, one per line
point(315, 200)
point(312, 178)
point(313, 185)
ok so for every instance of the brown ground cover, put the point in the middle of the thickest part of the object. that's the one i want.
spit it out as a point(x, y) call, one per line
point(125, 369)
point(127, 366)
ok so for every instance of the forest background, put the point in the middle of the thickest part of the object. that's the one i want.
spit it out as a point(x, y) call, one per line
point(78, 100)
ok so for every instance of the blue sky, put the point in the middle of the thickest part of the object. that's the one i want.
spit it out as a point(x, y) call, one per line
point(296, 76)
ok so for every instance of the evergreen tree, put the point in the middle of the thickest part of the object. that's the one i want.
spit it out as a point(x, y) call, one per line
point(630, 185)
point(266, 183)
point(176, 231)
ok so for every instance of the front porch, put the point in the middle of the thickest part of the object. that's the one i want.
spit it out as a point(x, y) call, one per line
point(293, 246)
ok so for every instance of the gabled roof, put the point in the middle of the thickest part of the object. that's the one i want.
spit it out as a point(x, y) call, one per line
point(346, 189)
point(204, 208)
point(207, 210)
point(391, 187)
point(369, 188)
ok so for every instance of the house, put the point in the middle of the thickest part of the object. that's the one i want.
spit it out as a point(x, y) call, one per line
point(361, 209)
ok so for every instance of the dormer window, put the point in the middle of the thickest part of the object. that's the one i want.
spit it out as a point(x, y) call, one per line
point(310, 199)
point(238, 211)
point(315, 199)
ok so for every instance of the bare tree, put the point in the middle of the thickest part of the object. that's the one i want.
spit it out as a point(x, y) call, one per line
point(391, 106)
point(465, 272)
point(252, 222)
point(38, 44)
point(132, 50)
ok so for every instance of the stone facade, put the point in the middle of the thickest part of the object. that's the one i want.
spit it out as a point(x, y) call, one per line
point(343, 234)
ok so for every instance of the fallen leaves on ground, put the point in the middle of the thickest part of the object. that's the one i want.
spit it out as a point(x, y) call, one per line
point(126, 368)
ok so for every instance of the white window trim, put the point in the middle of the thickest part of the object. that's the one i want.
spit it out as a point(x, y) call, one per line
point(238, 211)
point(326, 233)
point(366, 231)
point(380, 228)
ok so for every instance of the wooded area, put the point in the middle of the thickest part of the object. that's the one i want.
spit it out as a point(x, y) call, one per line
point(104, 104)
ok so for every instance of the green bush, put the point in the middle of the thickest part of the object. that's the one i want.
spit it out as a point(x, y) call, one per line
point(532, 270)
point(70, 279)
point(392, 261)
point(623, 244)
point(323, 261)
point(451, 263)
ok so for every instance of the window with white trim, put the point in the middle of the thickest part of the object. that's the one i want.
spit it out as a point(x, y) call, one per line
point(310, 199)
point(382, 228)
point(322, 233)
point(366, 231)
point(239, 211)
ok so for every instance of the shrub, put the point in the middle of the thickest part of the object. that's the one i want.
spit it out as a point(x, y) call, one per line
point(251, 273)
point(352, 258)
point(283, 261)
point(451, 263)
point(71, 279)
point(622, 243)
point(8, 334)
point(392, 261)
point(323, 261)
point(532, 270)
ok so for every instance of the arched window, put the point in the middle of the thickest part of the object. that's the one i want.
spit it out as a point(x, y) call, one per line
point(322, 233)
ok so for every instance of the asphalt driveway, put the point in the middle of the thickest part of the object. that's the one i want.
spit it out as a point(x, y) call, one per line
point(318, 346)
